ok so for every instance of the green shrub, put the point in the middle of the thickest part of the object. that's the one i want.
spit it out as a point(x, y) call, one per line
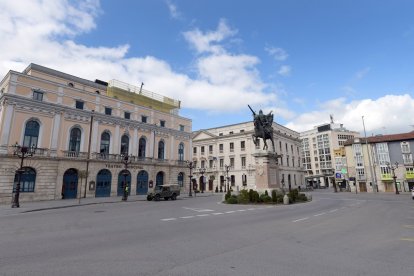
point(266, 193)
point(232, 200)
point(255, 197)
point(293, 195)
point(216, 189)
point(274, 196)
point(302, 197)
point(265, 198)
point(251, 192)
point(279, 198)
point(243, 197)
point(228, 194)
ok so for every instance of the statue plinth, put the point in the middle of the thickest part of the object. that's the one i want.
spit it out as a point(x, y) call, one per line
point(267, 171)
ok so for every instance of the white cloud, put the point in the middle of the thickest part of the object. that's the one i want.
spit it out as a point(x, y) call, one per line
point(394, 112)
point(174, 13)
point(207, 42)
point(284, 70)
point(43, 32)
point(362, 73)
point(277, 53)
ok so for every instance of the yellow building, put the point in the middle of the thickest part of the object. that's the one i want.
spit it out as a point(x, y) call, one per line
point(81, 131)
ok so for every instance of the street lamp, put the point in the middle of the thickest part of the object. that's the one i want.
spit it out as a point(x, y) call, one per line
point(202, 171)
point(392, 168)
point(191, 166)
point(227, 168)
point(126, 161)
point(22, 152)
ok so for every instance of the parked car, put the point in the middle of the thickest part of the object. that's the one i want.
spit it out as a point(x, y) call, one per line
point(412, 193)
point(164, 191)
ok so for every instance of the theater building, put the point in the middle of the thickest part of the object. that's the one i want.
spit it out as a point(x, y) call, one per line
point(81, 131)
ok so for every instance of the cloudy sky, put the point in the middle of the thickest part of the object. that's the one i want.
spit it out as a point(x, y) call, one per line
point(302, 59)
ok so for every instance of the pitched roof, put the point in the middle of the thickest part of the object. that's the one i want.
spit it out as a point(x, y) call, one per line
point(384, 138)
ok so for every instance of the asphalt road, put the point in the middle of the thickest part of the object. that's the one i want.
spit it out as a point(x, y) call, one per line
point(335, 234)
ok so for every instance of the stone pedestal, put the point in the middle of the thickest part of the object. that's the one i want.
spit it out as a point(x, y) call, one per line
point(267, 171)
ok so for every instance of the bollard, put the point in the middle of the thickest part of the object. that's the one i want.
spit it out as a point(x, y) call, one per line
point(285, 200)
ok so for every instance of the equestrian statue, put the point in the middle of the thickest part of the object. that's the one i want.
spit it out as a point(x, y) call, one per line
point(263, 128)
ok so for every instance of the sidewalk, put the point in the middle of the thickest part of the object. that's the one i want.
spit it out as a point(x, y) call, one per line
point(33, 206)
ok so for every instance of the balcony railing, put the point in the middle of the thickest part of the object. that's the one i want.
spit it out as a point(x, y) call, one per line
point(409, 175)
point(361, 177)
point(386, 176)
point(75, 154)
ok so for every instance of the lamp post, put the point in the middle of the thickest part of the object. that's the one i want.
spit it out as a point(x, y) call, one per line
point(190, 165)
point(126, 161)
point(392, 168)
point(227, 168)
point(22, 152)
point(202, 171)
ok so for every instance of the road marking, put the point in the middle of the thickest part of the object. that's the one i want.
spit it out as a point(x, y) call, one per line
point(409, 226)
point(320, 214)
point(241, 210)
point(407, 239)
point(217, 214)
point(250, 209)
point(300, 219)
point(168, 219)
point(229, 212)
point(203, 215)
point(187, 217)
point(199, 210)
point(334, 210)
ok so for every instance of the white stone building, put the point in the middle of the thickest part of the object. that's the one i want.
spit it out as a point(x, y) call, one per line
point(216, 148)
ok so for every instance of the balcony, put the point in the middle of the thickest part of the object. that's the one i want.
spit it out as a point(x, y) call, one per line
point(386, 176)
point(74, 154)
point(361, 177)
point(409, 175)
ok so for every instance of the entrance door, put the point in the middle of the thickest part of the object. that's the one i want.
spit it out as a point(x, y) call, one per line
point(362, 187)
point(121, 181)
point(142, 183)
point(103, 183)
point(159, 179)
point(70, 184)
point(210, 184)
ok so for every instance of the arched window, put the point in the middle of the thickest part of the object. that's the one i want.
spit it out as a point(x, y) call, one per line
point(141, 147)
point(75, 139)
point(161, 150)
point(31, 134)
point(159, 179)
point(105, 141)
point(181, 152)
point(180, 179)
point(124, 144)
point(27, 180)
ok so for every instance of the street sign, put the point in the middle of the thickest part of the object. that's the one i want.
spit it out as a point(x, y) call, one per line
point(338, 175)
point(343, 170)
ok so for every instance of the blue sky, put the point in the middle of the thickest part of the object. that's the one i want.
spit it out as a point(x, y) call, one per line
point(304, 60)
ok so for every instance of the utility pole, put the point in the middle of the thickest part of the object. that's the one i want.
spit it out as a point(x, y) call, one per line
point(373, 179)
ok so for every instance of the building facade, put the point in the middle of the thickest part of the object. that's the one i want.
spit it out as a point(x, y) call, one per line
point(320, 149)
point(381, 163)
point(232, 147)
point(81, 132)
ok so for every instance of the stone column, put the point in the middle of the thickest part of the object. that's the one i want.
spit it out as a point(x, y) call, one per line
point(8, 111)
point(55, 134)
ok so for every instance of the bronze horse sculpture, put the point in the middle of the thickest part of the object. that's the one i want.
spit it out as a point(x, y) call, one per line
point(263, 128)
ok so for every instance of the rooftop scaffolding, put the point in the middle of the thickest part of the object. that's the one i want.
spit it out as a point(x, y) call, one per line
point(136, 95)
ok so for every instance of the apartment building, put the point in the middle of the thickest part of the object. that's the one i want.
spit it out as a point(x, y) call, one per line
point(227, 155)
point(81, 131)
point(322, 155)
point(381, 163)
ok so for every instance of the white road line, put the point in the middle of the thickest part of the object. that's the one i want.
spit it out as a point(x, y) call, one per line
point(168, 219)
point(198, 209)
point(334, 210)
point(241, 210)
point(320, 214)
point(300, 219)
point(187, 217)
point(250, 209)
point(229, 212)
point(217, 214)
point(203, 215)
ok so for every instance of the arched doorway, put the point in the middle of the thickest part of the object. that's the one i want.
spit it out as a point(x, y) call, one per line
point(70, 184)
point(159, 179)
point(27, 180)
point(121, 180)
point(142, 183)
point(180, 179)
point(103, 183)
